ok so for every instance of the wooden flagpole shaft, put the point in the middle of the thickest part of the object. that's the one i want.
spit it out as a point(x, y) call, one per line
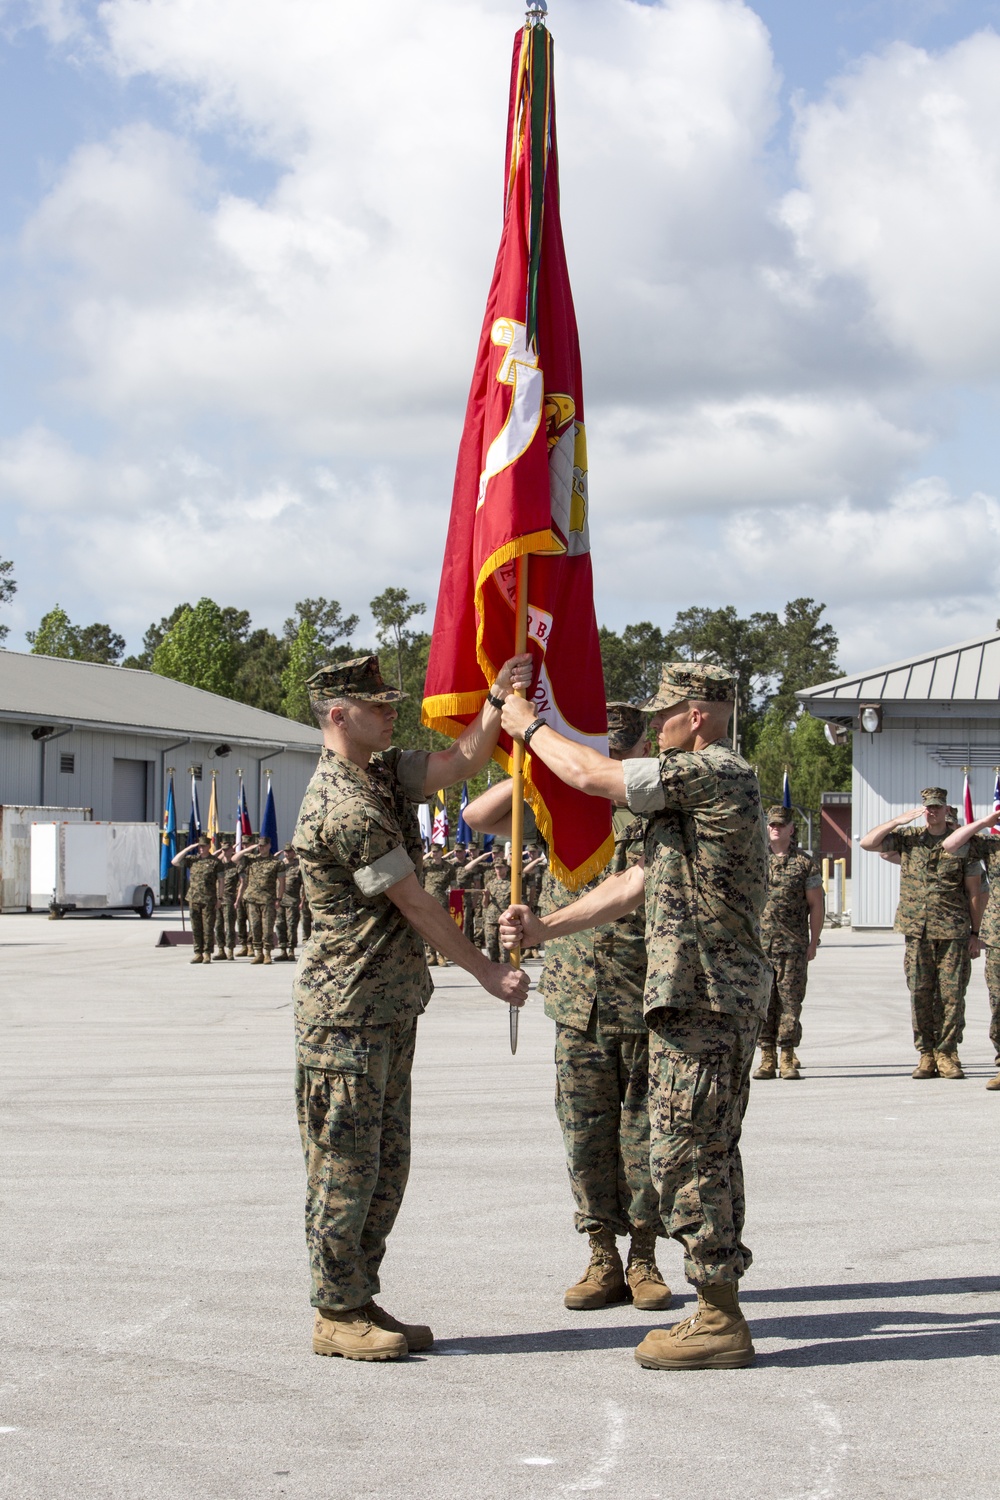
point(517, 804)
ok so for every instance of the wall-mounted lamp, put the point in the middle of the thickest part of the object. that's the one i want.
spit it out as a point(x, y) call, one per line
point(870, 718)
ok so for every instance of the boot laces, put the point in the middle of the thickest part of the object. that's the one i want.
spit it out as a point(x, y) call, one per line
point(646, 1267)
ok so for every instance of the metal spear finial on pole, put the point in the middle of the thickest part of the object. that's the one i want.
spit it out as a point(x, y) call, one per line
point(537, 11)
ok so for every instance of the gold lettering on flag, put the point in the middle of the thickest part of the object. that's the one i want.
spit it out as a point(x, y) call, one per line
point(519, 369)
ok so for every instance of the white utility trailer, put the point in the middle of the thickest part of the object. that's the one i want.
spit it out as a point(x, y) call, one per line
point(95, 867)
point(15, 848)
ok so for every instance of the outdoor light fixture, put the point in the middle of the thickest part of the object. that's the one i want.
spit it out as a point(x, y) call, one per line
point(836, 734)
point(871, 718)
point(221, 751)
point(42, 732)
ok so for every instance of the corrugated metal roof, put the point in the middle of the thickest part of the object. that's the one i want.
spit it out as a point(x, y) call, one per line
point(966, 673)
point(48, 690)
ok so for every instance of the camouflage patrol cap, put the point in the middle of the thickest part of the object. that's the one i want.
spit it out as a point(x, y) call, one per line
point(289, 848)
point(626, 725)
point(359, 678)
point(227, 840)
point(700, 680)
point(204, 842)
point(934, 796)
point(780, 815)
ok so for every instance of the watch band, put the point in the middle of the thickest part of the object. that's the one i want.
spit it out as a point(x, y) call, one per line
point(535, 724)
point(497, 702)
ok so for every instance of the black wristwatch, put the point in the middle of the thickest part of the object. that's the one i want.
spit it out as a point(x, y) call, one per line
point(497, 702)
point(535, 725)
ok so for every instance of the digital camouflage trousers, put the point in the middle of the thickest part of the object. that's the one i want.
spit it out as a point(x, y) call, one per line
point(602, 1104)
point(993, 985)
point(225, 925)
point(202, 914)
point(353, 1096)
point(260, 915)
point(287, 925)
point(491, 937)
point(699, 1084)
point(782, 1026)
point(937, 973)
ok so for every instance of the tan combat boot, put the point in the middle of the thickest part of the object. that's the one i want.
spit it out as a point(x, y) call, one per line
point(267, 955)
point(716, 1338)
point(196, 959)
point(948, 1065)
point(258, 957)
point(206, 958)
point(417, 1335)
point(243, 952)
point(994, 1083)
point(788, 1068)
point(603, 1282)
point(768, 1063)
point(230, 954)
point(926, 1067)
point(220, 956)
point(650, 1292)
point(354, 1335)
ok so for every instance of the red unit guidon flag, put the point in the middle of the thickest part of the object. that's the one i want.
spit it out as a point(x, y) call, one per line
point(521, 491)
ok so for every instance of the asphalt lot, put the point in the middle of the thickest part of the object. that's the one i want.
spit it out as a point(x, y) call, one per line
point(155, 1333)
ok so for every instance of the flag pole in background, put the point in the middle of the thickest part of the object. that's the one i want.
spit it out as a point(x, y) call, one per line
point(996, 795)
point(967, 796)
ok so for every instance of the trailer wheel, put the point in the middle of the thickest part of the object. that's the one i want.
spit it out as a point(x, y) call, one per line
point(56, 913)
point(146, 906)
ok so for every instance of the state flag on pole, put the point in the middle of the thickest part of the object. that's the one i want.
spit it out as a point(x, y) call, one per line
point(213, 814)
point(996, 802)
point(194, 824)
point(243, 824)
point(786, 792)
point(967, 800)
point(521, 491)
point(440, 831)
point(168, 839)
point(269, 823)
point(463, 833)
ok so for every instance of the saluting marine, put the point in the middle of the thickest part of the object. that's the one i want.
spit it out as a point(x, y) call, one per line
point(939, 894)
point(204, 871)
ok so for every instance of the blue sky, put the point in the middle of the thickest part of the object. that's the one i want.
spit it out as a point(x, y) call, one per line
point(242, 268)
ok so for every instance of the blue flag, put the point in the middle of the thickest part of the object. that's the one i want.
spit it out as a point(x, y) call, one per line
point(786, 793)
point(194, 824)
point(168, 841)
point(463, 834)
point(269, 827)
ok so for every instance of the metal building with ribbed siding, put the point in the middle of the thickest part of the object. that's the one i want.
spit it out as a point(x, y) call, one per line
point(937, 714)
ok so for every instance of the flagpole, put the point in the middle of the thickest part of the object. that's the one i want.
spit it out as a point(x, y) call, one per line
point(517, 805)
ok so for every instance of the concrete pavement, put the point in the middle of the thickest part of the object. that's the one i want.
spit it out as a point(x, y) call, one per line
point(154, 1315)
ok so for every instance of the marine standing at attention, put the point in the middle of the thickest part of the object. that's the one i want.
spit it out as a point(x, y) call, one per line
point(704, 883)
point(592, 984)
point(790, 931)
point(262, 885)
point(362, 982)
point(939, 895)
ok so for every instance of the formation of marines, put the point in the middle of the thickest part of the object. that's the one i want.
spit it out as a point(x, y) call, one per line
point(661, 977)
point(251, 898)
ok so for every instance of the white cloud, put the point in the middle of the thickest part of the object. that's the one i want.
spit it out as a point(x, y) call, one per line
point(900, 174)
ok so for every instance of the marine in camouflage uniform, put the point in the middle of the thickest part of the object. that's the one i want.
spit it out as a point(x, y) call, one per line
point(708, 981)
point(439, 877)
point(970, 840)
point(262, 879)
point(203, 869)
point(935, 915)
point(287, 915)
point(469, 879)
point(496, 899)
point(789, 930)
point(362, 983)
point(225, 917)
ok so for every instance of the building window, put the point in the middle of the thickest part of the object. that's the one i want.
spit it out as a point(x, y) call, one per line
point(196, 772)
point(67, 763)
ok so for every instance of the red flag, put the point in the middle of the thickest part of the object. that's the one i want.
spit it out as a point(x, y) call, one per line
point(967, 798)
point(521, 491)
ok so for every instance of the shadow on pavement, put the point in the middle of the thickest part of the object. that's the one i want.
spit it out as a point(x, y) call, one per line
point(878, 1338)
point(560, 1340)
point(871, 1291)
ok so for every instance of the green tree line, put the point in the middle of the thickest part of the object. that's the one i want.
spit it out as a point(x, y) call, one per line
point(217, 648)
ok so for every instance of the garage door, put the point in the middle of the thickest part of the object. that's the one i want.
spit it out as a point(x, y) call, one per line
point(128, 792)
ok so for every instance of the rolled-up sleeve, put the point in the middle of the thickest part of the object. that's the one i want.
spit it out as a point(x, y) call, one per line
point(375, 879)
point(643, 786)
point(411, 773)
